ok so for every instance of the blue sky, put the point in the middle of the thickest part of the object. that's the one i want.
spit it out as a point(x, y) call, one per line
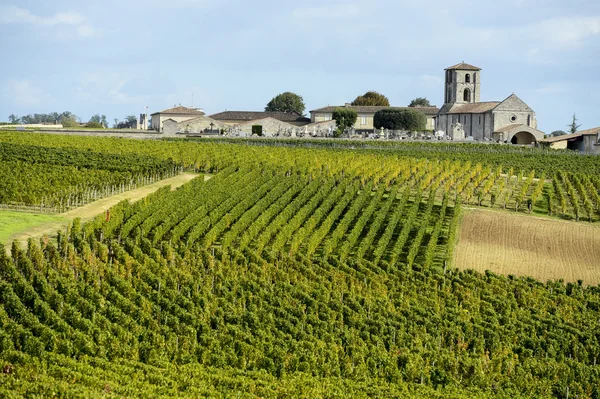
point(116, 57)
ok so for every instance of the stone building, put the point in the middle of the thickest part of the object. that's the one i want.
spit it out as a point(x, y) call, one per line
point(464, 116)
point(364, 121)
point(232, 118)
point(271, 127)
point(177, 114)
point(200, 124)
point(585, 141)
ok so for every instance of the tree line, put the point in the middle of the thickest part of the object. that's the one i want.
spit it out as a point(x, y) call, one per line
point(70, 120)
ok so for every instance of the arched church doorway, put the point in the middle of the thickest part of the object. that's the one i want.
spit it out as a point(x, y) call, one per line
point(523, 138)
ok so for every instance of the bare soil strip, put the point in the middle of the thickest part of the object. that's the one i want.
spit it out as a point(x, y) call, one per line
point(523, 245)
point(89, 211)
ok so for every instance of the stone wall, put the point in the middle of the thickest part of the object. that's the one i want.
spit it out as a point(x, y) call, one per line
point(513, 111)
point(478, 126)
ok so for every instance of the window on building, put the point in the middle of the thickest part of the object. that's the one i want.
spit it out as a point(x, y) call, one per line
point(468, 78)
point(363, 120)
point(467, 95)
point(449, 76)
point(474, 77)
point(480, 119)
point(528, 120)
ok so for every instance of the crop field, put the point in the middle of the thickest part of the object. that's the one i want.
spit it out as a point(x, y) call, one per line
point(21, 226)
point(298, 272)
point(543, 248)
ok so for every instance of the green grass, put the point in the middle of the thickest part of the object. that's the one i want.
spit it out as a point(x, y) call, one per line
point(12, 222)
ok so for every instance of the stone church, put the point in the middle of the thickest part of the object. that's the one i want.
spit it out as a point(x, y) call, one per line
point(464, 116)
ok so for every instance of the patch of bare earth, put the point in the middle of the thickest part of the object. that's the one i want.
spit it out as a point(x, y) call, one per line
point(523, 245)
point(89, 211)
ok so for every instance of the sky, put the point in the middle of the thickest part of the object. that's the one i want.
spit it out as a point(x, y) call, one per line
point(119, 57)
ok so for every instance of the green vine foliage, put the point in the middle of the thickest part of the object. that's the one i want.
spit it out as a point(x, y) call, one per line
point(293, 272)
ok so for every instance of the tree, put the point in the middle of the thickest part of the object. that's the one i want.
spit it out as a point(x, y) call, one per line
point(573, 126)
point(131, 119)
point(400, 119)
point(420, 102)
point(67, 119)
point(12, 118)
point(371, 98)
point(558, 133)
point(286, 102)
point(95, 118)
point(94, 125)
point(344, 118)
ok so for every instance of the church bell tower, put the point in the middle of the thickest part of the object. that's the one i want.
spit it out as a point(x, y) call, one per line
point(462, 84)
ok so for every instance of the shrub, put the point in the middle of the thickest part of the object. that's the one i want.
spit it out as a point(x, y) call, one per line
point(344, 118)
point(400, 119)
point(94, 125)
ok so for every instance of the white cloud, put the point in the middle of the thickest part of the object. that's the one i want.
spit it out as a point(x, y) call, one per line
point(24, 93)
point(567, 32)
point(552, 88)
point(345, 11)
point(432, 80)
point(17, 15)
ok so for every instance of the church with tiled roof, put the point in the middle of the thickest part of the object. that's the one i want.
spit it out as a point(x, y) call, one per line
point(465, 117)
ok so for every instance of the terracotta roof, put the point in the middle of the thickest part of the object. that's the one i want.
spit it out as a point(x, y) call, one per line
point(463, 66)
point(254, 115)
point(373, 109)
point(474, 108)
point(180, 111)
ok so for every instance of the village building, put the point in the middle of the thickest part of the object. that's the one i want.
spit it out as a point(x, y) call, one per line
point(364, 121)
point(177, 114)
point(199, 124)
point(464, 116)
point(270, 127)
point(585, 141)
point(232, 118)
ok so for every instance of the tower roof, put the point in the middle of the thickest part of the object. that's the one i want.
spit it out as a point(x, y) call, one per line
point(464, 67)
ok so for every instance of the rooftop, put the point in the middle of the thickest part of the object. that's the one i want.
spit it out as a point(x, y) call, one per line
point(474, 108)
point(589, 132)
point(180, 110)
point(255, 115)
point(465, 67)
point(373, 109)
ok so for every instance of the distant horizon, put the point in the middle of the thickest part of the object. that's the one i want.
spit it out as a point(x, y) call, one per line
point(116, 58)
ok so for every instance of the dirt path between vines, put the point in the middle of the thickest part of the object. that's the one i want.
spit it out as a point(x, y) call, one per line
point(89, 211)
point(524, 245)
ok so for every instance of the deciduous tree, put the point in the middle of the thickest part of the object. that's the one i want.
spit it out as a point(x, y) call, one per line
point(286, 102)
point(344, 119)
point(371, 98)
point(420, 102)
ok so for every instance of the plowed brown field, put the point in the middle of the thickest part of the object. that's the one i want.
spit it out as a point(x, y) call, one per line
point(523, 245)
